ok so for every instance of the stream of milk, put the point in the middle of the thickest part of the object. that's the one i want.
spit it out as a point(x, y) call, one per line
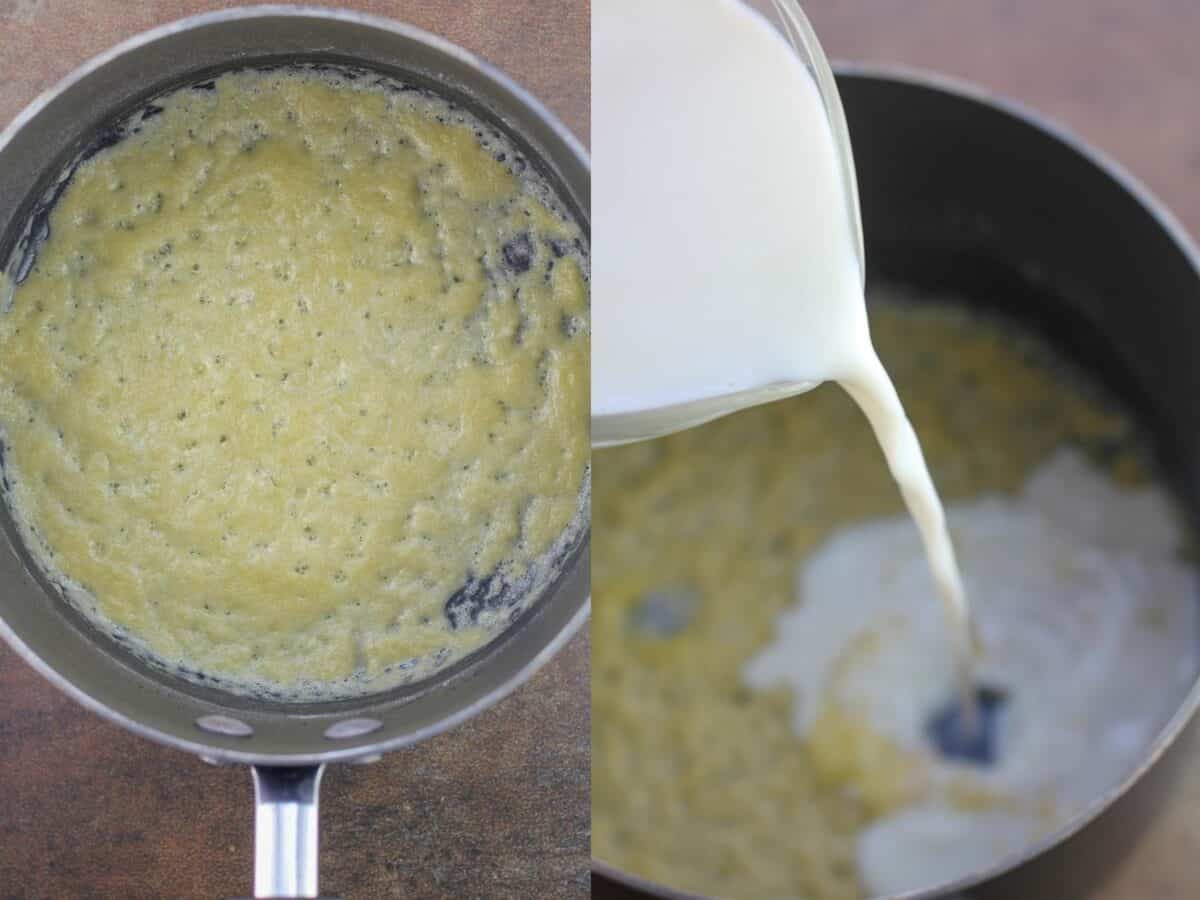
point(725, 257)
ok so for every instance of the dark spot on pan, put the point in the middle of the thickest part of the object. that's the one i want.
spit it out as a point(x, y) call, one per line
point(518, 253)
point(38, 231)
point(948, 733)
point(478, 595)
point(107, 137)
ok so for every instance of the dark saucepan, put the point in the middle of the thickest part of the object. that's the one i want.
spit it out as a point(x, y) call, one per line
point(966, 194)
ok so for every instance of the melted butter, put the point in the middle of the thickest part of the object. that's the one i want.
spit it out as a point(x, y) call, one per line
point(300, 358)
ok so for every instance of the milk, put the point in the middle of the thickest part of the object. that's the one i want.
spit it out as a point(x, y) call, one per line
point(725, 264)
point(717, 185)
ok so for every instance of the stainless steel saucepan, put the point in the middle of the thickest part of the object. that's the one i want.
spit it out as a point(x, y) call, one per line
point(287, 744)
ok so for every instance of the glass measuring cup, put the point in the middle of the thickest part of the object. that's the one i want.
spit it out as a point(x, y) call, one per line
point(642, 424)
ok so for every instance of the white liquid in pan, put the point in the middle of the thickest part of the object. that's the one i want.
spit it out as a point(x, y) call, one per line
point(1091, 636)
point(724, 258)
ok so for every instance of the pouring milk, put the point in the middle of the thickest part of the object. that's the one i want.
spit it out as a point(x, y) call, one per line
point(726, 267)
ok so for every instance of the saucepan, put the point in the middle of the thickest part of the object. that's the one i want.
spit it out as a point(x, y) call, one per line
point(969, 195)
point(287, 744)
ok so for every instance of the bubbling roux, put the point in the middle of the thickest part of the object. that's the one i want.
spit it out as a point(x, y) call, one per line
point(1088, 620)
point(295, 395)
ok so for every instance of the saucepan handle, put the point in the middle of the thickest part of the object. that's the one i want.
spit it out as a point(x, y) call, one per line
point(285, 831)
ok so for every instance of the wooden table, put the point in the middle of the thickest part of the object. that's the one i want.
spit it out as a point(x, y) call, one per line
point(495, 809)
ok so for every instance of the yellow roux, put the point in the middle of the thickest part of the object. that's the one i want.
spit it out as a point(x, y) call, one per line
point(698, 781)
point(300, 358)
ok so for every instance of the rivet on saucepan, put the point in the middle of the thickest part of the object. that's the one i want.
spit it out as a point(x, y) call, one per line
point(352, 728)
point(226, 725)
point(367, 760)
point(212, 760)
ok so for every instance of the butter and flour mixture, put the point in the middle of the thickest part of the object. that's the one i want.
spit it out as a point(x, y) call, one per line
point(296, 393)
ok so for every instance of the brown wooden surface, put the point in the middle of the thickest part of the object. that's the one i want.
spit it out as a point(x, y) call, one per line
point(1125, 76)
point(495, 809)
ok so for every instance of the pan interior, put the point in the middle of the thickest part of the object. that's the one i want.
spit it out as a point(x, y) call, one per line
point(973, 200)
point(90, 664)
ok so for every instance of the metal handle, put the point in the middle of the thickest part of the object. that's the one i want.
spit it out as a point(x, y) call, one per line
point(285, 830)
